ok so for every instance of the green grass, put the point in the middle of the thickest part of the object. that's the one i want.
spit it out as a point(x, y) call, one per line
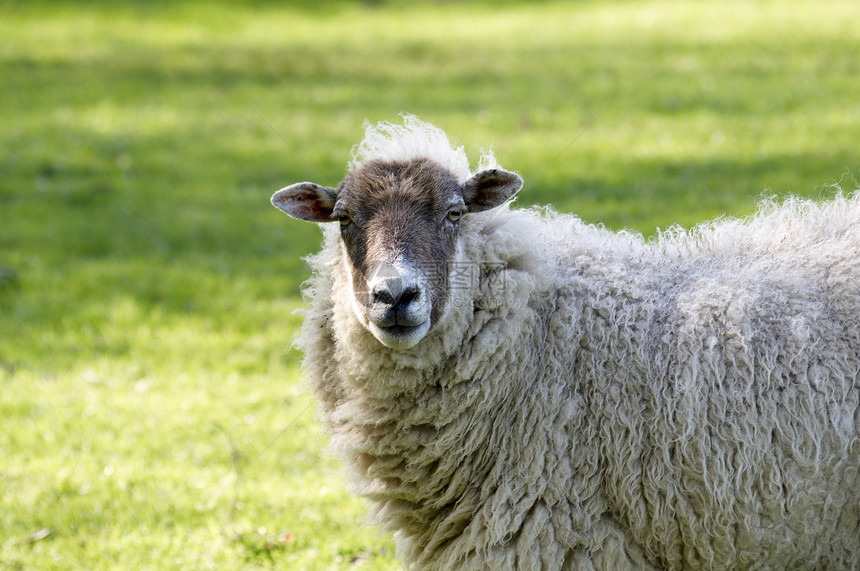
point(153, 416)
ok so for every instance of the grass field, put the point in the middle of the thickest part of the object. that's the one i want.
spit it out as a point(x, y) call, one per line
point(152, 412)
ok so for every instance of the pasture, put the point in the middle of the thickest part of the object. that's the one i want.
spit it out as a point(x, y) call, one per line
point(152, 409)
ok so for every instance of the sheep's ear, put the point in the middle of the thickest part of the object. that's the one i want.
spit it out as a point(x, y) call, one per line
point(490, 188)
point(306, 201)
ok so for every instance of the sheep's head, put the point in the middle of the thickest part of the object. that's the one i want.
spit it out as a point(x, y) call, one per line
point(399, 224)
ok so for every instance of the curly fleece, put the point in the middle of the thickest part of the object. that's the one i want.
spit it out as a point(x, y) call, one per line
point(591, 400)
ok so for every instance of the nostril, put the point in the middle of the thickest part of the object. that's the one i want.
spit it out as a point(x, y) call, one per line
point(387, 294)
point(382, 295)
point(408, 296)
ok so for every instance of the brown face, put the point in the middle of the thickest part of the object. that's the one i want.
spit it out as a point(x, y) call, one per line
point(399, 224)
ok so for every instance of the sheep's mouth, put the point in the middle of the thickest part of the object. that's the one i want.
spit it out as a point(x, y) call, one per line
point(403, 330)
point(400, 336)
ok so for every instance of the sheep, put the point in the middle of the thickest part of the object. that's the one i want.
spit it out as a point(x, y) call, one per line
point(516, 389)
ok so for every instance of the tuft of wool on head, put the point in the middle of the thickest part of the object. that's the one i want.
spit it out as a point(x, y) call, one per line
point(415, 139)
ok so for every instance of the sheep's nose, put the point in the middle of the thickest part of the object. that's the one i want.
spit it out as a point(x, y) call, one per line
point(395, 292)
point(397, 297)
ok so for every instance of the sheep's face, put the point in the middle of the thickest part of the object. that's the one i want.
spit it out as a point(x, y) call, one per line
point(399, 225)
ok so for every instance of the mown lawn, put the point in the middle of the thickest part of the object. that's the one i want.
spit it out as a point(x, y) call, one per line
point(152, 411)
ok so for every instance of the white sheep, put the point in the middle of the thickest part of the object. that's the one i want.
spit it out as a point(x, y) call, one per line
point(520, 390)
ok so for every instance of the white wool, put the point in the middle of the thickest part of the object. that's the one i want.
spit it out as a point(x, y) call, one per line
point(414, 139)
point(595, 400)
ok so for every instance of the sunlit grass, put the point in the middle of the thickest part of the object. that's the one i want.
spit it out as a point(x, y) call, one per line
point(153, 413)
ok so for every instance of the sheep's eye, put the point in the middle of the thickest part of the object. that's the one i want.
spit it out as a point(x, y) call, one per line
point(454, 215)
point(344, 219)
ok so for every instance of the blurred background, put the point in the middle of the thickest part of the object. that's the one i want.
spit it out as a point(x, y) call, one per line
point(152, 409)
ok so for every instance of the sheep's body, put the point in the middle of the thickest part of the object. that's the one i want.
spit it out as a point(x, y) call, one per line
point(592, 400)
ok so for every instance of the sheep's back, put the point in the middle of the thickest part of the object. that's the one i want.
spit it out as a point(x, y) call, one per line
point(726, 365)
